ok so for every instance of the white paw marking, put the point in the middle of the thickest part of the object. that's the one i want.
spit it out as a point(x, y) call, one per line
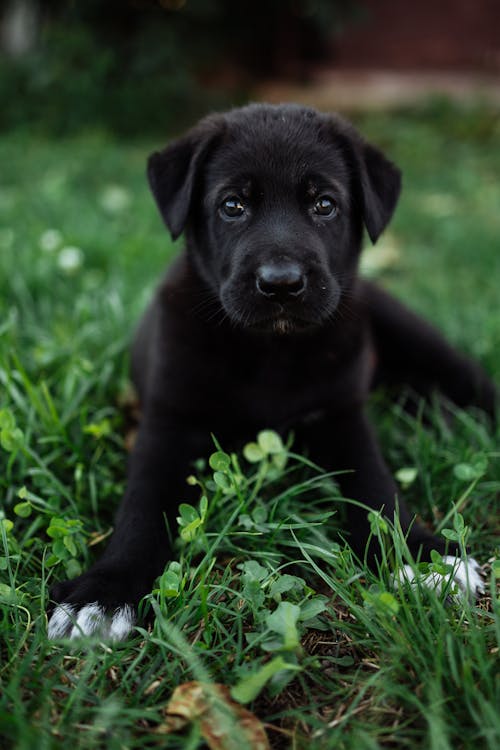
point(467, 573)
point(60, 621)
point(69, 622)
point(122, 623)
point(463, 582)
point(89, 621)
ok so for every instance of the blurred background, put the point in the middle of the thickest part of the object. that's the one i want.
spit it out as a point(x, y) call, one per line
point(143, 66)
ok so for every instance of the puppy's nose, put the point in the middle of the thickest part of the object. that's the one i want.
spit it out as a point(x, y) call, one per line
point(280, 280)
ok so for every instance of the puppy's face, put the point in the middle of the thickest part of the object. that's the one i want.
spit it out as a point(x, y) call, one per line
point(277, 217)
point(273, 200)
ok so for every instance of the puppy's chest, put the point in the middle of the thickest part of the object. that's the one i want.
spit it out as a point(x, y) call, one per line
point(280, 390)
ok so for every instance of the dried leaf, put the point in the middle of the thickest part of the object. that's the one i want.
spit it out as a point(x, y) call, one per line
point(223, 723)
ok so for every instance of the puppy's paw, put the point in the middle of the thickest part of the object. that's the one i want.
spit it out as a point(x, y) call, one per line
point(462, 582)
point(99, 603)
point(73, 621)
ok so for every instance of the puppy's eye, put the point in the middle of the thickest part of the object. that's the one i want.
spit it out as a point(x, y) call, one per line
point(232, 207)
point(325, 206)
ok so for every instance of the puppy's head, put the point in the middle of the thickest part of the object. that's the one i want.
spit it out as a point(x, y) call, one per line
point(273, 200)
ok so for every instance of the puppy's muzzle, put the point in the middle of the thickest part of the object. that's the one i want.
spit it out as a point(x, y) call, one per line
point(280, 281)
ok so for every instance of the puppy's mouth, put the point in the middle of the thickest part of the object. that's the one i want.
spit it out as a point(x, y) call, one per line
point(282, 325)
point(280, 317)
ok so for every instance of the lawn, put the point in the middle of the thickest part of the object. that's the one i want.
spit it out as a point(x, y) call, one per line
point(265, 597)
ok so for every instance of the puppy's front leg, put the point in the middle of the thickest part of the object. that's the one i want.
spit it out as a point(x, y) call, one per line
point(104, 599)
point(347, 442)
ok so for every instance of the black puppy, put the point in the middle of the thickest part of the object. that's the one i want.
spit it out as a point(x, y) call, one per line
point(263, 322)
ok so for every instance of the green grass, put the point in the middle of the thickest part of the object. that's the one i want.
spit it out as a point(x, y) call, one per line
point(266, 575)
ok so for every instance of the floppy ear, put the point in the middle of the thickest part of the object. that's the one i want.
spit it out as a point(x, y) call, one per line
point(172, 172)
point(380, 181)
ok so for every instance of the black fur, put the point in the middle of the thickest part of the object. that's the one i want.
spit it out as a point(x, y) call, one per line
point(262, 322)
